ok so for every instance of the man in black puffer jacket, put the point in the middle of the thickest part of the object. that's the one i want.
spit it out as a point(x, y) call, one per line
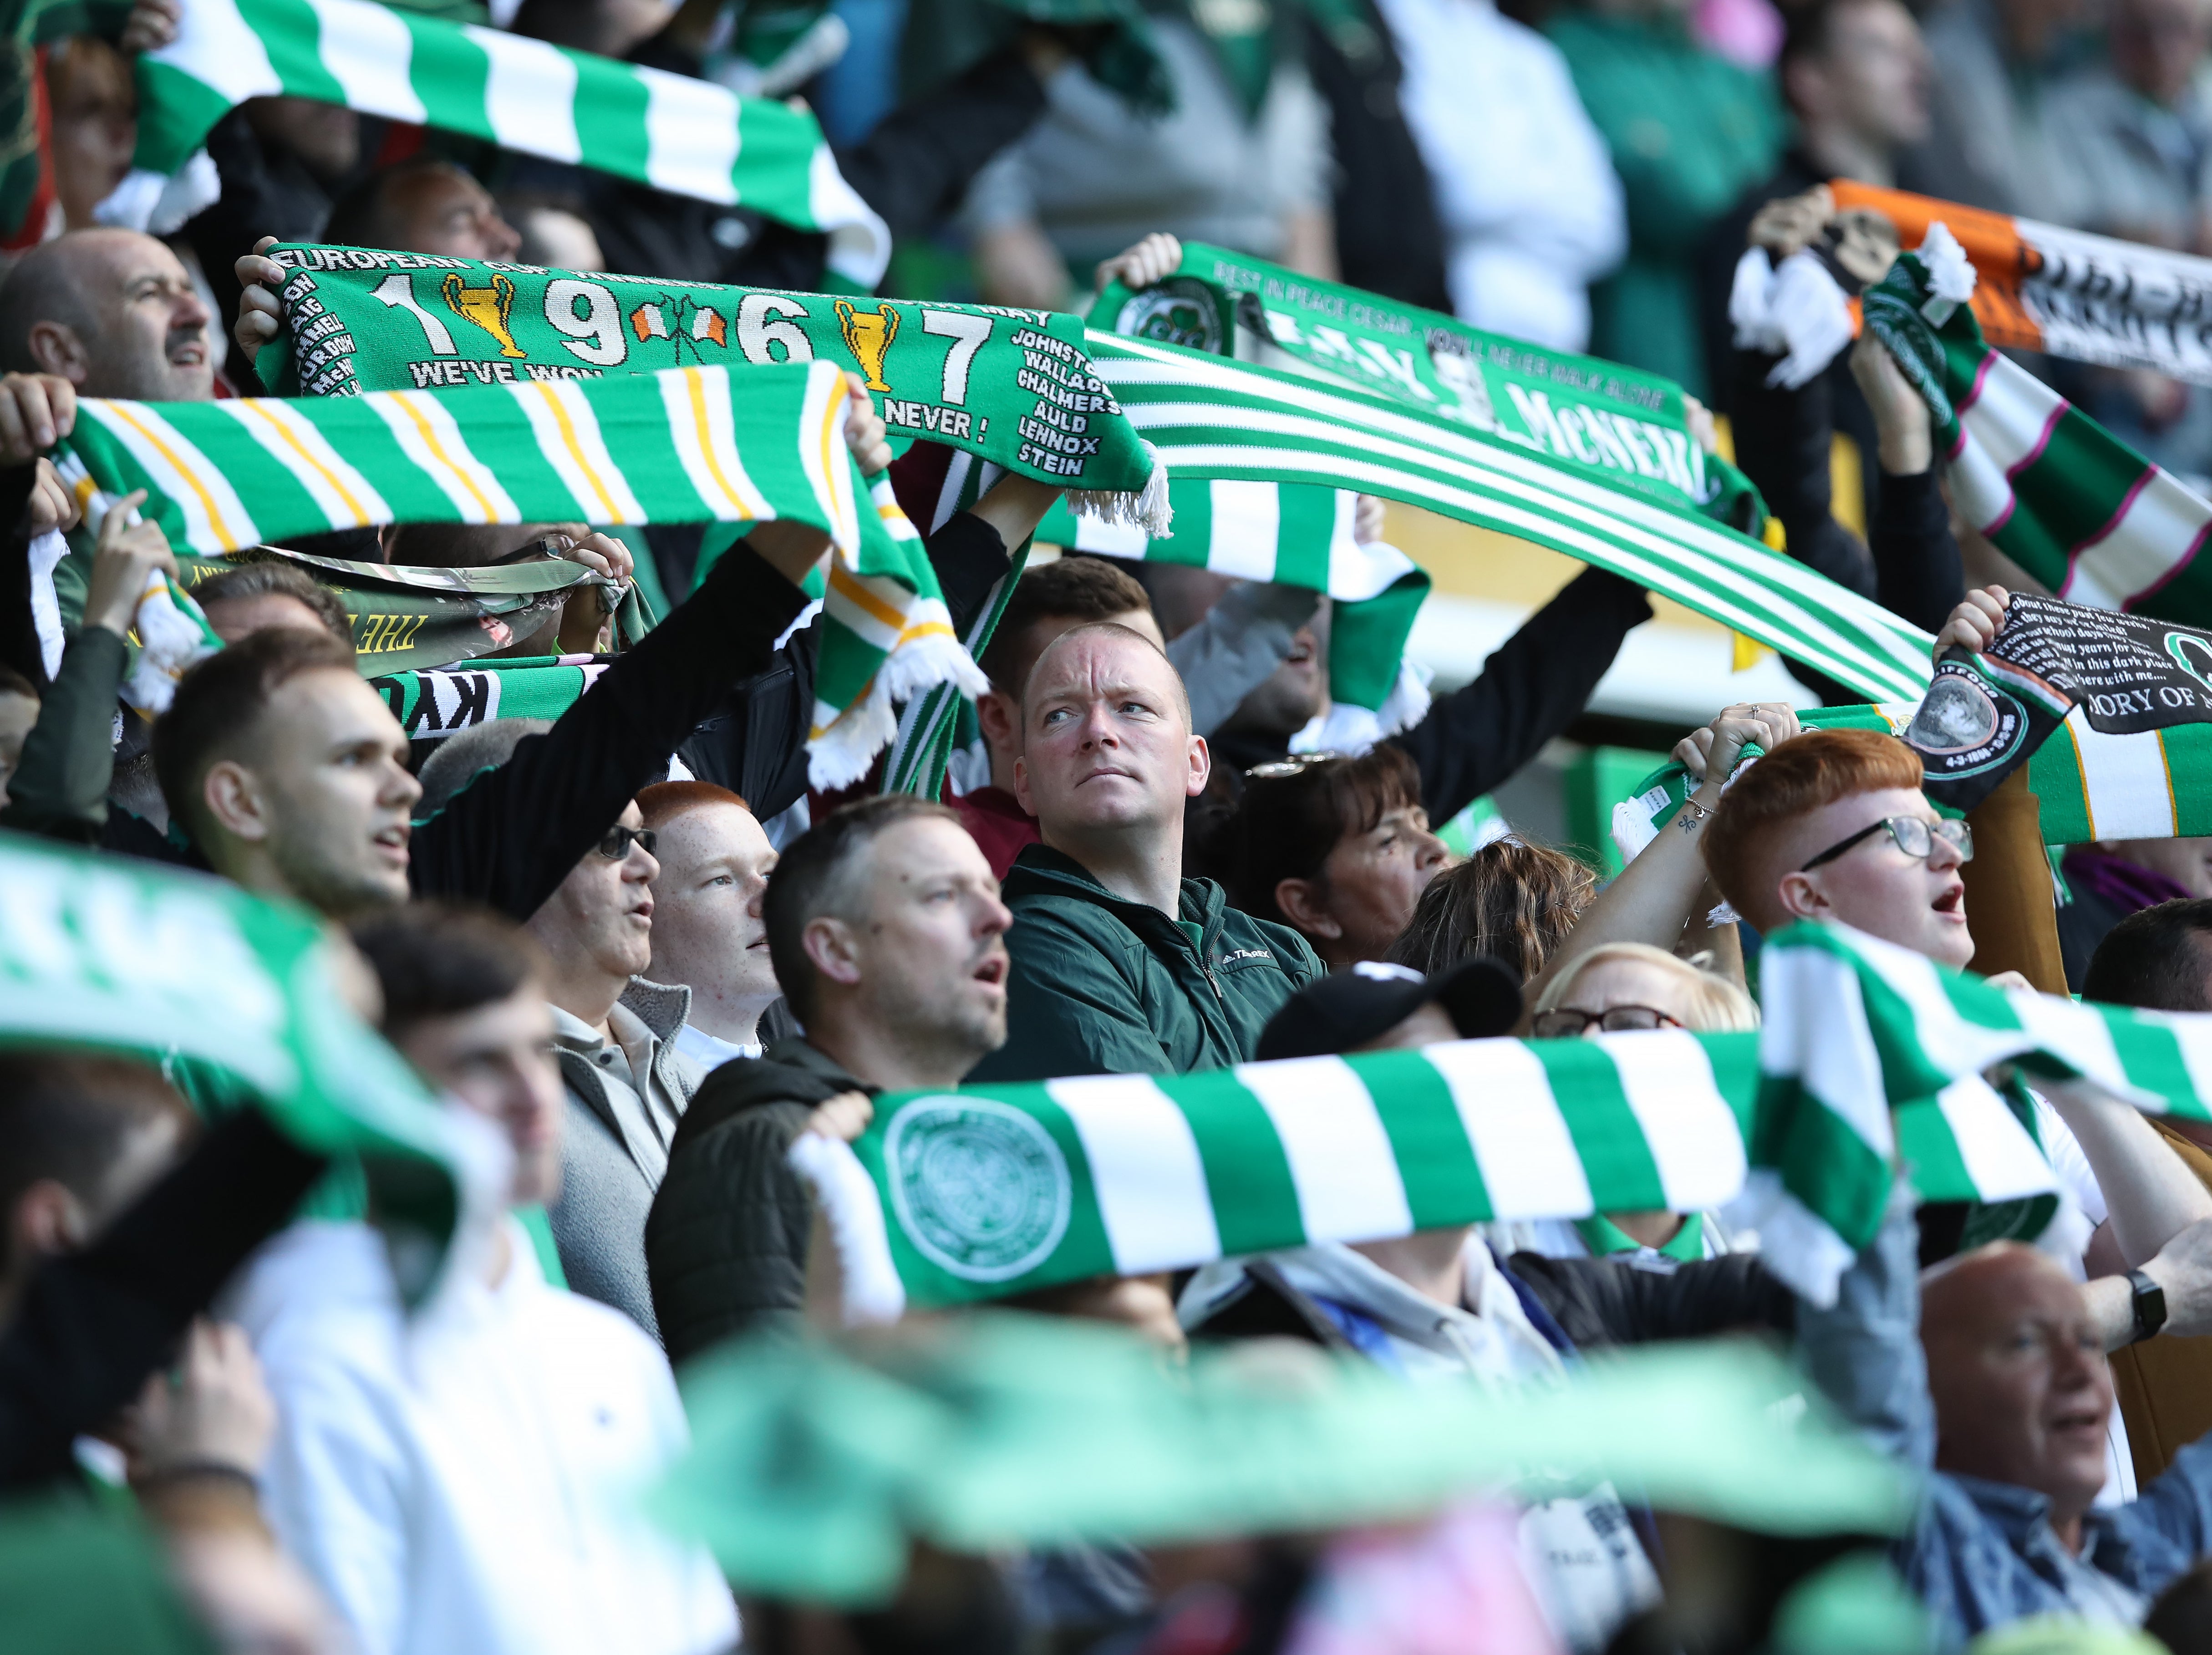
point(885, 927)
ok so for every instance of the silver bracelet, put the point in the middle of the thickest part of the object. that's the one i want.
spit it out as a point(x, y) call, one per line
point(1690, 823)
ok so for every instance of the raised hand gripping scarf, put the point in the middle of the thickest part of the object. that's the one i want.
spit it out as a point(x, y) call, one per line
point(955, 1198)
point(114, 954)
point(690, 138)
point(2055, 491)
point(677, 446)
point(2088, 298)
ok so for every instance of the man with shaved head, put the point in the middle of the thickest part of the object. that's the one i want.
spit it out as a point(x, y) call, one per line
point(2003, 1399)
point(1121, 966)
point(93, 313)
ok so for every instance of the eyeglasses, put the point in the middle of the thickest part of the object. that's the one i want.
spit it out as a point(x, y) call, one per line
point(1295, 764)
point(1916, 837)
point(1568, 1023)
point(615, 843)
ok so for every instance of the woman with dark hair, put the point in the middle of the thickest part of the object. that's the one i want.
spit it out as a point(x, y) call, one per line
point(1337, 848)
point(1511, 900)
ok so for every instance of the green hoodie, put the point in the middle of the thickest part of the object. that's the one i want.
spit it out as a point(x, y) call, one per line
point(1104, 986)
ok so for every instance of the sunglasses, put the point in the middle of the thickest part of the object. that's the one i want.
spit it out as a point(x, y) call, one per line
point(1915, 836)
point(1567, 1024)
point(1297, 764)
point(615, 843)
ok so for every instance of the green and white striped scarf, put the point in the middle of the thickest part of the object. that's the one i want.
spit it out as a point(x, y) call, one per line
point(2157, 785)
point(1869, 1055)
point(690, 138)
point(2055, 491)
point(1210, 418)
point(123, 956)
point(691, 449)
point(1620, 424)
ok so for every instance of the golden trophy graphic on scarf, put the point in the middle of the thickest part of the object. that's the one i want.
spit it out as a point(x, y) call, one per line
point(488, 307)
point(868, 335)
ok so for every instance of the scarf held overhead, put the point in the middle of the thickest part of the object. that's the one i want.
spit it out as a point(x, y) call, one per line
point(1011, 386)
point(2088, 298)
point(1988, 711)
point(690, 138)
point(2078, 509)
point(1627, 425)
point(679, 447)
point(1210, 418)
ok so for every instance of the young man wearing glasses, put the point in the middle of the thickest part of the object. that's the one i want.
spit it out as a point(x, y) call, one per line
point(1832, 824)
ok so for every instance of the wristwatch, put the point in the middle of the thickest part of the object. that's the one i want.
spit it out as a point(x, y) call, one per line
point(2148, 1301)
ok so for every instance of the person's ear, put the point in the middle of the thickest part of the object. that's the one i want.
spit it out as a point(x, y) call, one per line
point(1021, 785)
point(55, 348)
point(996, 711)
point(47, 1220)
point(233, 796)
point(1801, 897)
point(1300, 900)
point(1803, 85)
point(830, 944)
point(1201, 768)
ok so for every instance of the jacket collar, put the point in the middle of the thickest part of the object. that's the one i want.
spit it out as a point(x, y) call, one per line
point(2023, 1517)
point(796, 1051)
point(1041, 871)
point(661, 1007)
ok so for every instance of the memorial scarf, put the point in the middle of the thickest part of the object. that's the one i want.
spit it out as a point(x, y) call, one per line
point(114, 954)
point(1011, 386)
point(1988, 711)
point(1630, 427)
point(2088, 298)
point(2085, 515)
point(680, 446)
point(690, 138)
point(2091, 786)
point(1869, 1056)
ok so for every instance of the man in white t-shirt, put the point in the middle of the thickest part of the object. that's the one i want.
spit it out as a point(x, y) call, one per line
point(463, 1477)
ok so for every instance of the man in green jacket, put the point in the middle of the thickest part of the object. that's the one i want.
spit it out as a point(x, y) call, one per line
point(1120, 966)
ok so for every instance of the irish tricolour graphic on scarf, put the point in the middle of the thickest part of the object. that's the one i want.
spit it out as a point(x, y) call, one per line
point(690, 138)
point(2077, 508)
point(1869, 1056)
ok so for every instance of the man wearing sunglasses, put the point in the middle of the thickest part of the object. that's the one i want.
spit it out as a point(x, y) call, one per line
point(614, 1037)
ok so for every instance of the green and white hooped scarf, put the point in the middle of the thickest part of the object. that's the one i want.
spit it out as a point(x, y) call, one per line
point(690, 138)
point(682, 446)
point(1870, 1059)
point(118, 955)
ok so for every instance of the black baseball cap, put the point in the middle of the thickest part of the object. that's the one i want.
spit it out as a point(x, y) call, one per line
point(1348, 1008)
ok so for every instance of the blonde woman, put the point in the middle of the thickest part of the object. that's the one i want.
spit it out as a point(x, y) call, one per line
point(1616, 988)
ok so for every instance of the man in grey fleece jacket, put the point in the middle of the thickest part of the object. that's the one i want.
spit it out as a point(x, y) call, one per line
point(627, 1087)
